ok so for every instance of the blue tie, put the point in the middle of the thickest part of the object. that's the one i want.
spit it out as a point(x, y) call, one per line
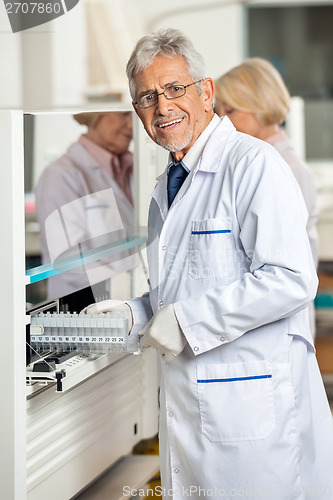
point(176, 176)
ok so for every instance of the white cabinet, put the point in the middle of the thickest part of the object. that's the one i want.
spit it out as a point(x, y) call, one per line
point(54, 444)
point(12, 294)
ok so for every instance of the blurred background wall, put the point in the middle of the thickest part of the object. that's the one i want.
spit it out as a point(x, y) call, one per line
point(78, 60)
point(82, 55)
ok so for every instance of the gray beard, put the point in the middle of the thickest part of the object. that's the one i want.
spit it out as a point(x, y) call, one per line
point(175, 146)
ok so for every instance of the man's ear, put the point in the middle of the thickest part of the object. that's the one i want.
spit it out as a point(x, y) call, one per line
point(208, 93)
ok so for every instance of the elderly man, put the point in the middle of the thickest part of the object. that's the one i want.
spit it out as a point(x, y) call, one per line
point(243, 408)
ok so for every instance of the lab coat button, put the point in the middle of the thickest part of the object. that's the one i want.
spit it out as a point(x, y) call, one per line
point(176, 470)
point(170, 414)
point(196, 348)
point(161, 303)
point(163, 247)
point(222, 339)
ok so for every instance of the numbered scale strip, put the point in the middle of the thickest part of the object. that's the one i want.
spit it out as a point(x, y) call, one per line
point(99, 332)
point(46, 339)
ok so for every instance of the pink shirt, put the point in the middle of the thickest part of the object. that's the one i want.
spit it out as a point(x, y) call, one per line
point(101, 155)
point(119, 167)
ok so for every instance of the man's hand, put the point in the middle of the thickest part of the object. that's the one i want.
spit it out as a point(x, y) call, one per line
point(164, 334)
point(111, 306)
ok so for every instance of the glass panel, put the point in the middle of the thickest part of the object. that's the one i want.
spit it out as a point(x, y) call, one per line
point(79, 202)
point(127, 246)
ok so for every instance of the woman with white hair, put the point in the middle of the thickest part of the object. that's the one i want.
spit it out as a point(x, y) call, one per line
point(85, 197)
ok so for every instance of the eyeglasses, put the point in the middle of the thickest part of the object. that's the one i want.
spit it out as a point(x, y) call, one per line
point(172, 92)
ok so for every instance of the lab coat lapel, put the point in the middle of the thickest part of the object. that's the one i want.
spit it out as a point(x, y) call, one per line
point(209, 162)
point(160, 194)
point(213, 152)
point(79, 155)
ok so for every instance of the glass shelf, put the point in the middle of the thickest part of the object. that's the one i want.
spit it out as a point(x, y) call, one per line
point(44, 271)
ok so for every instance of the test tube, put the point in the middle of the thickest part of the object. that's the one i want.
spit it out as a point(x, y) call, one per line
point(107, 347)
point(47, 331)
point(73, 331)
point(81, 331)
point(60, 329)
point(93, 328)
point(37, 320)
point(100, 332)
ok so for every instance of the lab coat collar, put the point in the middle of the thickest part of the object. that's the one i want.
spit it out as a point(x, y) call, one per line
point(209, 161)
point(205, 153)
point(215, 146)
point(78, 154)
point(192, 157)
point(212, 147)
point(99, 154)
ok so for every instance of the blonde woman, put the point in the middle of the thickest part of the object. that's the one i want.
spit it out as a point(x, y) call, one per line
point(255, 98)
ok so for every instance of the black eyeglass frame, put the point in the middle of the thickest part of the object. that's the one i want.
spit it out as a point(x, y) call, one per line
point(164, 92)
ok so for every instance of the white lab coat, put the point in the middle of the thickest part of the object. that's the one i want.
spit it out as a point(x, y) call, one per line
point(306, 182)
point(80, 206)
point(243, 408)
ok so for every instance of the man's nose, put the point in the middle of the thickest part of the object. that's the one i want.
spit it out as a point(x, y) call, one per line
point(163, 104)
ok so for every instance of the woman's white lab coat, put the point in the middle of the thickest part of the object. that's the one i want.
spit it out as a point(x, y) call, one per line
point(243, 408)
point(93, 210)
point(306, 181)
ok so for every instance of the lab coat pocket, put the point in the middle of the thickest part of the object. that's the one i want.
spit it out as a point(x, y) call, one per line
point(236, 401)
point(211, 249)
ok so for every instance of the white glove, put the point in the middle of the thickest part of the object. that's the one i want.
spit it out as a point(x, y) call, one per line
point(164, 334)
point(111, 306)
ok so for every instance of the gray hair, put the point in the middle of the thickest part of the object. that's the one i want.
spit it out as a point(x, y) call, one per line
point(167, 42)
